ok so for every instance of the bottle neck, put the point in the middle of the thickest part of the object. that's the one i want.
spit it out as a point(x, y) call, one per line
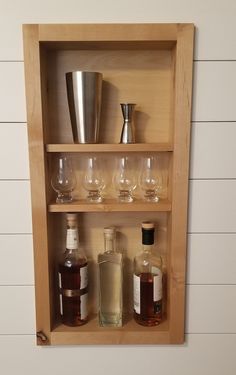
point(72, 239)
point(147, 248)
point(109, 244)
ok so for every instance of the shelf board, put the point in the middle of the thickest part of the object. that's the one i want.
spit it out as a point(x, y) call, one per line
point(112, 147)
point(110, 205)
point(92, 333)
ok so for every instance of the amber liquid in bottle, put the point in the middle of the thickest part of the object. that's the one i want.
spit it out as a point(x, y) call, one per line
point(148, 281)
point(73, 279)
point(73, 307)
point(150, 310)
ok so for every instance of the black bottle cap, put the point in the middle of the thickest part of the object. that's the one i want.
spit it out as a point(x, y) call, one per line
point(148, 233)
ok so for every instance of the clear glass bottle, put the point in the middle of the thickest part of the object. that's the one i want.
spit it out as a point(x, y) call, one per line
point(148, 280)
point(110, 286)
point(73, 278)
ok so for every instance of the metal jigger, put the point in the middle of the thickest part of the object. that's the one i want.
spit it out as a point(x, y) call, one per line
point(127, 134)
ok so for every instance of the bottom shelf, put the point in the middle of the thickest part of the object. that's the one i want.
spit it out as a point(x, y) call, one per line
point(92, 333)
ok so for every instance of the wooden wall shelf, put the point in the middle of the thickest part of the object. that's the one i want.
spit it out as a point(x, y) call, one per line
point(110, 205)
point(137, 147)
point(146, 64)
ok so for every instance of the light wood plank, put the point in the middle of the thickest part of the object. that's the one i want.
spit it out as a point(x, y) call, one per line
point(114, 147)
point(93, 334)
point(15, 213)
point(16, 266)
point(90, 32)
point(14, 158)
point(12, 93)
point(212, 206)
point(17, 310)
point(211, 309)
point(35, 88)
point(177, 225)
point(211, 259)
point(110, 205)
point(213, 151)
point(214, 91)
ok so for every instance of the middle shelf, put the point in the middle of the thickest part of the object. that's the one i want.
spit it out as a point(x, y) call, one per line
point(110, 205)
point(111, 147)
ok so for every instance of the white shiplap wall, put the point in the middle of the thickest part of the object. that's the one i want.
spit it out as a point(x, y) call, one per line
point(211, 278)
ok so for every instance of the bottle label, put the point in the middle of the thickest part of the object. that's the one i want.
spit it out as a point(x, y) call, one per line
point(72, 239)
point(136, 281)
point(59, 278)
point(61, 305)
point(157, 284)
point(83, 277)
point(84, 306)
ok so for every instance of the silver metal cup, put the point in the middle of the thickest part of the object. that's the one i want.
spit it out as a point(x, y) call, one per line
point(84, 93)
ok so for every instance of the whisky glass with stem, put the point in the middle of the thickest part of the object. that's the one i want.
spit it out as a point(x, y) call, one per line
point(150, 179)
point(93, 180)
point(125, 179)
point(63, 179)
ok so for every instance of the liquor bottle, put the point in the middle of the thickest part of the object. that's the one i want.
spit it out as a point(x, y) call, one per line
point(110, 286)
point(73, 278)
point(148, 280)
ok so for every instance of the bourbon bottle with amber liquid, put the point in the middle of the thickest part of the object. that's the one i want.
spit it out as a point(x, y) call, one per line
point(147, 280)
point(73, 278)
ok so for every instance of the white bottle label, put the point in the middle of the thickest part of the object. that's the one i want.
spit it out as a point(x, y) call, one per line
point(61, 305)
point(72, 239)
point(83, 277)
point(136, 281)
point(157, 284)
point(84, 306)
point(59, 278)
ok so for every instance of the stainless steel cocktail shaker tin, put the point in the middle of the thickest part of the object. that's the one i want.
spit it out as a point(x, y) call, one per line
point(84, 92)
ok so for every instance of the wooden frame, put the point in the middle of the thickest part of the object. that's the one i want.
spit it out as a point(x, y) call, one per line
point(173, 46)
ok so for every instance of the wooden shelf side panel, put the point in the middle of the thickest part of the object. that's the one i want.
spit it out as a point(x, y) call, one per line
point(178, 219)
point(38, 175)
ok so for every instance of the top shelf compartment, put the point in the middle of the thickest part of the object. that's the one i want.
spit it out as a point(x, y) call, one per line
point(141, 72)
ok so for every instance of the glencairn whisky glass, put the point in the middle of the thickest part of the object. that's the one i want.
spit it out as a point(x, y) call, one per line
point(125, 179)
point(63, 179)
point(93, 180)
point(150, 179)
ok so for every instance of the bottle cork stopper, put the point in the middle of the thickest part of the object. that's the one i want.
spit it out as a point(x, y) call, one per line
point(147, 225)
point(109, 230)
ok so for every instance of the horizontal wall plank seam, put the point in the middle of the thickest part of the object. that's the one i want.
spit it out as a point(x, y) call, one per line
point(13, 122)
point(213, 179)
point(187, 284)
point(16, 234)
point(195, 60)
point(16, 285)
point(210, 284)
point(186, 334)
point(214, 60)
point(190, 179)
point(193, 122)
point(211, 121)
point(211, 233)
